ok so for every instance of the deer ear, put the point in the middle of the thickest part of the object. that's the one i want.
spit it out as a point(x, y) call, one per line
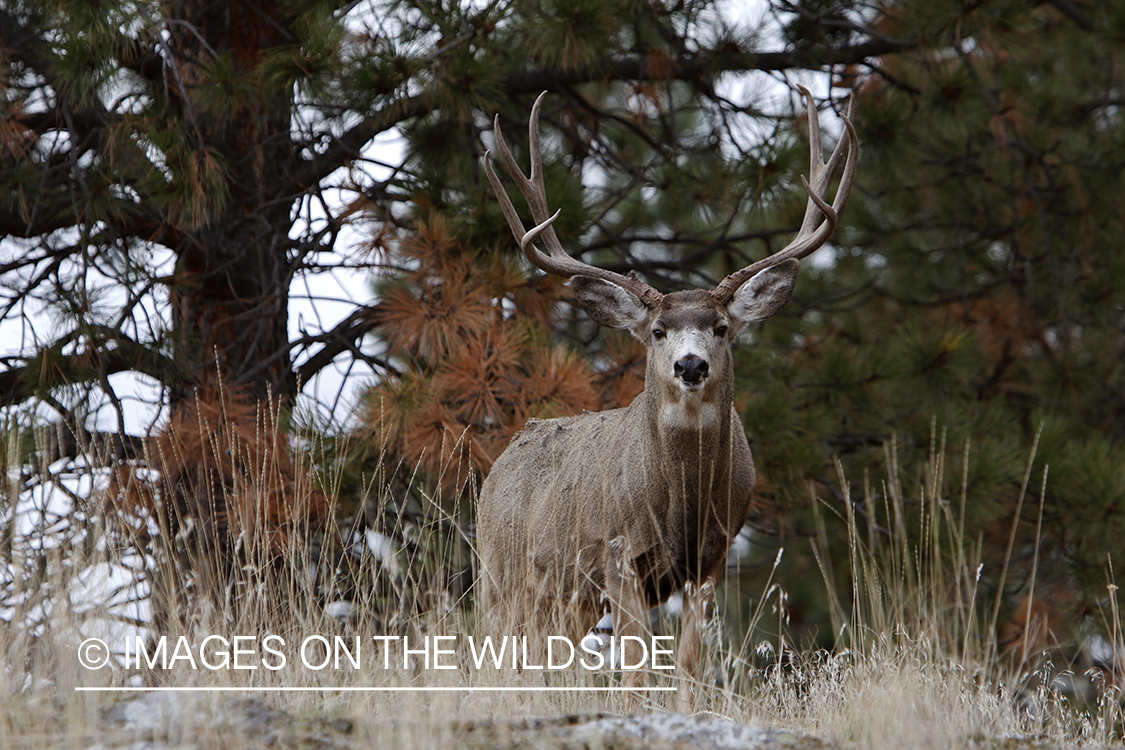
point(764, 293)
point(608, 304)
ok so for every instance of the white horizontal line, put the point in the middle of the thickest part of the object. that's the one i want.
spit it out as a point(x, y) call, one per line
point(408, 689)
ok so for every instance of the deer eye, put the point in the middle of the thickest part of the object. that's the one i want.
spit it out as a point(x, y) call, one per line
point(658, 333)
point(721, 331)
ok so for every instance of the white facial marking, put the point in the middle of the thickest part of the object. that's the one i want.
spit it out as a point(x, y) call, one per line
point(690, 334)
point(690, 411)
point(688, 342)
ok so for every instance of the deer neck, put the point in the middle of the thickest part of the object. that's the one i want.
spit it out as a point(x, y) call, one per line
point(691, 433)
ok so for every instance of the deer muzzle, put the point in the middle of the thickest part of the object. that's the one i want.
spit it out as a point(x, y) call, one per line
point(691, 369)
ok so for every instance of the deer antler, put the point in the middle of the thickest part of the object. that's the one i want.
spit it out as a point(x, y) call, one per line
point(558, 262)
point(810, 236)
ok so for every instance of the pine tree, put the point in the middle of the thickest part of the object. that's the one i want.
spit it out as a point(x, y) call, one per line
point(171, 172)
point(975, 295)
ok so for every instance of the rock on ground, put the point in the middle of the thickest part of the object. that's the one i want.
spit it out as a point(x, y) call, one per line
point(678, 732)
point(168, 721)
point(655, 731)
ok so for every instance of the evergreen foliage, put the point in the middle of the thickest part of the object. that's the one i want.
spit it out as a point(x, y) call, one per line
point(977, 286)
point(470, 336)
point(172, 172)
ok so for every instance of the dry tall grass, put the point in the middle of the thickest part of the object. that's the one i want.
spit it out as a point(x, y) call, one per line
point(916, 663)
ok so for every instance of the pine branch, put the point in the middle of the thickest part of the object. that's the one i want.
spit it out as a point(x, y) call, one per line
point(686, 68)
point(63, 443)
point(349, 145)
point(1071, 11)
point(14, 223)
point(32, 51)
point(26, 42)
point(691, 67)
point(84, 126)
point(17, 384)
point(344, 337)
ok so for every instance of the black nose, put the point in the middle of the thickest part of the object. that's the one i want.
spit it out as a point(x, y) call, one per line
point(691, 369)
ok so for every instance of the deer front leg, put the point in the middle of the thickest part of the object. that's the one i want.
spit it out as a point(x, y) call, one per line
point(630, 616)
point(698, 598)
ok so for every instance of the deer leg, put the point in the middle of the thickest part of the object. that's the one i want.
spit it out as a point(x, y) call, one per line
point(630, 617)
point(698, 598)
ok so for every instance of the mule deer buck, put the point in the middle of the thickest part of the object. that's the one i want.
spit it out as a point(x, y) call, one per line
point(616, 510)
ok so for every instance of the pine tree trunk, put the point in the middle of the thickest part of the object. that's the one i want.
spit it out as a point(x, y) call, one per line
point(230, 314)
point(233, 273)
point(229, 297)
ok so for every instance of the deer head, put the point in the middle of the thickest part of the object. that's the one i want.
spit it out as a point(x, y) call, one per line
point(688, 334)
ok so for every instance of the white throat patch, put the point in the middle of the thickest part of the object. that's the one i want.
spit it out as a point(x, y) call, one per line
point(691, 412)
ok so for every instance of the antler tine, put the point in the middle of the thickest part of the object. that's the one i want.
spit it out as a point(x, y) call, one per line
point(534, 191)
point(813, 232)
